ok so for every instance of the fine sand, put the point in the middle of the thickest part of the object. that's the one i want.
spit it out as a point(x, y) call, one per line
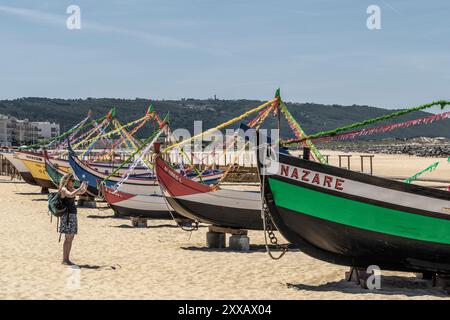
point(164, 262)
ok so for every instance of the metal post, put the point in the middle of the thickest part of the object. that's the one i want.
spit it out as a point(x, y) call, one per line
point(362, 163)
point(306, 153)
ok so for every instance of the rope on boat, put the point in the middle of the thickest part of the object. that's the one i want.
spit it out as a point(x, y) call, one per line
point(102, 197)
point(194, 225)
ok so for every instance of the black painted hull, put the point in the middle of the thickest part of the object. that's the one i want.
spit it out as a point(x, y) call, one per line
point(402, 246)
point(237, 218)
point(28, 178)
point(339, 244)
point(158, 215)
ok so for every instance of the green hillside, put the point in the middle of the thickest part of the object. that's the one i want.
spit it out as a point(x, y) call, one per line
point(313, 117)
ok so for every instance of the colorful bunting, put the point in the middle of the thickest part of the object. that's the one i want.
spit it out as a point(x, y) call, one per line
point(334, 132)
point(374, 130)
point(414, 177)
point(299, 133)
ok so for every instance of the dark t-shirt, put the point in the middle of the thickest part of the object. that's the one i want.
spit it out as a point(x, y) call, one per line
point(70, 205)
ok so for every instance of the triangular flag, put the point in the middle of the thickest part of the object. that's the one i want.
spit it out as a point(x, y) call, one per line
point(150, 109)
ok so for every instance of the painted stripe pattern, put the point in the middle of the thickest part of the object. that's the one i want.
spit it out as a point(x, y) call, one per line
point(363, 190)
point(358, 214)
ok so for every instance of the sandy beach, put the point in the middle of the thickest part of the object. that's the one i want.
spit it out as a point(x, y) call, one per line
point(164, 262)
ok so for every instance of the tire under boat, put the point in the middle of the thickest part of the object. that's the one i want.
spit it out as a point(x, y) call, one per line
point(196, 201)
point(354, 219)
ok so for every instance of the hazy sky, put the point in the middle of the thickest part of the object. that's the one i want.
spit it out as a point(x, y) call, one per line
point(316, 51)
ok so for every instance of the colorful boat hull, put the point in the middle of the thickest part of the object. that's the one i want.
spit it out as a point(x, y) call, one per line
point(36, 165)
point(20, 167)
point(136, 185)
point(226, 208)
point(146, 206)
point(84, 172)
point(55, 173)
point(358, 220)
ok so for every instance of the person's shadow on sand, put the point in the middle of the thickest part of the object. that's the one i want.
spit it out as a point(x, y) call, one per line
point(95, 267)
point(390, 285)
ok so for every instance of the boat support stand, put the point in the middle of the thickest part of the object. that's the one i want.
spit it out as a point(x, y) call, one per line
point(359, 276)
point(239, 240)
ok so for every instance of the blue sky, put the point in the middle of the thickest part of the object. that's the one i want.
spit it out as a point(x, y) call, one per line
point(316, 51)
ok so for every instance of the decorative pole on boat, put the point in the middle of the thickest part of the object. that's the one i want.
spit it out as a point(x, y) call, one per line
point(277, 110)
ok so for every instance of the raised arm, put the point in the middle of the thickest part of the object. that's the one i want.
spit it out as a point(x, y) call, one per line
point(72, 194)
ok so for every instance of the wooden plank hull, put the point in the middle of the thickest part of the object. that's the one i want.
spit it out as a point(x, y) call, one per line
point(145, 206)
point(225, 208)
point(36, 165)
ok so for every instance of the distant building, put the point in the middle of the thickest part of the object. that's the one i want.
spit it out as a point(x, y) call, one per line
point(4, 137)
point(46, 130)
point(15, 132)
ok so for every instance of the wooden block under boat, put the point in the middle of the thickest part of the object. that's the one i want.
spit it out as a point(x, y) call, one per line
point(138, 222)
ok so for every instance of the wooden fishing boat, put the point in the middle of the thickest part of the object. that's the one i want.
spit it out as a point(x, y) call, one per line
point(135, 184)
point(54, 172)
point(20, 167)
point(146, 206)
point(201, 202)
point(35, 163)
point(85, 172)
point(355, 219)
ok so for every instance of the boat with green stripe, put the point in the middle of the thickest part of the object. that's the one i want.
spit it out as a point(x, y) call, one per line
point(54, 172)
point(355, 219)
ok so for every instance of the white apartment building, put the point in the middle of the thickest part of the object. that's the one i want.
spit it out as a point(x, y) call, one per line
point(46, 130)
point(4, 131)
point(15, 132)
